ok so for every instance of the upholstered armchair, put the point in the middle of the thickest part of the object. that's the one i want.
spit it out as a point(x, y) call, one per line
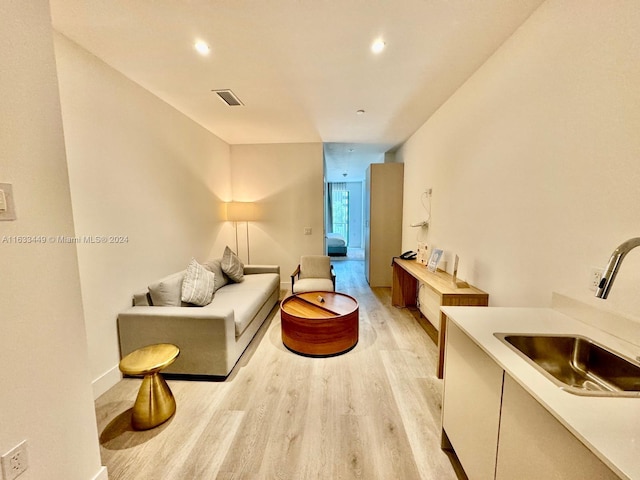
point(314, 274)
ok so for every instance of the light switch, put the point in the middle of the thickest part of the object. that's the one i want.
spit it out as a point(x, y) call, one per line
point(7, 207)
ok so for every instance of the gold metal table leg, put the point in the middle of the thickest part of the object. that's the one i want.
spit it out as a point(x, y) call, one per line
point(155, 403)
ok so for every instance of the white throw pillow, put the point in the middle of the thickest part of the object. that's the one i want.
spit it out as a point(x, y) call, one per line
point(198, 284)
point(232, 265)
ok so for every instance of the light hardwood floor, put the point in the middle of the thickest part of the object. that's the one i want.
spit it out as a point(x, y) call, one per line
point(372, 413)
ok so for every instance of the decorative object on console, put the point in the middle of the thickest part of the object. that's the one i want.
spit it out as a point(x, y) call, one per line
point(434, 259)
point(422, 253)
point(242, 212)
point(454, 276)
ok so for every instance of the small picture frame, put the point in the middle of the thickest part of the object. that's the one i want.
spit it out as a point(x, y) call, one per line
point(434, 259)
point(422, 253)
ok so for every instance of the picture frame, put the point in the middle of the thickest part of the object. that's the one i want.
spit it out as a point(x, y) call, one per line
point(422, 253)
point(434, 259)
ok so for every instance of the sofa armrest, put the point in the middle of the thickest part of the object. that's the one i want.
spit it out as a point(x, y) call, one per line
point(253, 269)
point(333, 278)
point(141, 299)
point(205, 336)
point(294, 275)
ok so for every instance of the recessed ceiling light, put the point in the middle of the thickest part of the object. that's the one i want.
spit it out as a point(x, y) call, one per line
point(201, 47)
point(360, 112)
point(377, 46)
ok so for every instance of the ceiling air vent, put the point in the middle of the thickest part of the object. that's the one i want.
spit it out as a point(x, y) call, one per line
point(228, 97)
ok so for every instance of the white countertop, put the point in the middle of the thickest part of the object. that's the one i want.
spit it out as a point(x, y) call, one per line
point(608, 426)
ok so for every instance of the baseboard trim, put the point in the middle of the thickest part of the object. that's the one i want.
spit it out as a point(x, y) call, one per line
point(102, 474)
point(105, 381)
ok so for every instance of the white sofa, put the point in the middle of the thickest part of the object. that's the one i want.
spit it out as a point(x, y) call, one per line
point(211, 338)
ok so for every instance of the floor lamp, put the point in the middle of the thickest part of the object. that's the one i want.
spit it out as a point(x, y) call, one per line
point(241, 212)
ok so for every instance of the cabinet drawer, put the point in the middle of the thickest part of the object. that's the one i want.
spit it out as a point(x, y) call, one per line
point(471, 404)
point(430, 305)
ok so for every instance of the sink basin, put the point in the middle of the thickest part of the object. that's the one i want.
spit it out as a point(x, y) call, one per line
point(577, 364)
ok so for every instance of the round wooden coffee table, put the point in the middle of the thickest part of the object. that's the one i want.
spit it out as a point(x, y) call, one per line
point(319, 324)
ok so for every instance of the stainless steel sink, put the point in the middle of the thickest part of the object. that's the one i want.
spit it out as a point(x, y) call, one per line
point(577, 364)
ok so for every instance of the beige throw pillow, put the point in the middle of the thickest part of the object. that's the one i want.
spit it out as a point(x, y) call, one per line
point(197, 287)
point(167, 291)
point(232, 266)
point(221, 277)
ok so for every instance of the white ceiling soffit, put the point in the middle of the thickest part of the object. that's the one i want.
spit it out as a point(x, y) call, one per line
point(301, 67)
point(347, 162)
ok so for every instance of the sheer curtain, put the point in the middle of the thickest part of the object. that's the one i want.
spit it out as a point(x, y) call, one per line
point(338, 199)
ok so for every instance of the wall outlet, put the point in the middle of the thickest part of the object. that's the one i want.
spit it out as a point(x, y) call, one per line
point(15, 461)
point(594, 278)
point(307, 230)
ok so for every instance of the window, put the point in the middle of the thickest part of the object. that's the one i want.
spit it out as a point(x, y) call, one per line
point(339, 202)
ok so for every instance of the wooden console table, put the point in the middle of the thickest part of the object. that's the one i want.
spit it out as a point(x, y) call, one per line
point(438, 291)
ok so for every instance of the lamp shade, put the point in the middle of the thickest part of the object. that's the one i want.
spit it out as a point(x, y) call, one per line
point(241, 211)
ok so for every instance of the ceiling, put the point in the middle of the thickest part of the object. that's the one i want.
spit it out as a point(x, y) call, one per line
point(302, 68)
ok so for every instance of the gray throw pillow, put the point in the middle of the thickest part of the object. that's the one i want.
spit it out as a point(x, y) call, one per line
point(215, 267)
point(197, 287)
point(232, 266)
point(167, 292)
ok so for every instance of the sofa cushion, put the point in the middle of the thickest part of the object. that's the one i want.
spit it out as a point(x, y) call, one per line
point(167, 292)
point(232, 265)
point(197, 286)
point(313, 285)
point(215, 266)
point(246, 298)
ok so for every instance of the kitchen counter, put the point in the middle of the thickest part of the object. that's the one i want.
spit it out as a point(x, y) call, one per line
point(608, 426)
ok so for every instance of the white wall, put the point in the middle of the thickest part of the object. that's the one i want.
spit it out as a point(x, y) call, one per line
point(535, 161)
point(141, 170)
point(286, 181)
point(46, 393)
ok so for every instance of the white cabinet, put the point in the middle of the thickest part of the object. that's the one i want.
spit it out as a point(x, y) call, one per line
point(471, 410)
point(498, 430)
point(382, 221)
point(535, 445)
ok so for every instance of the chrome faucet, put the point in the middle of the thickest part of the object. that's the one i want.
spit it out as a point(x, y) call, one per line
point(611, 270)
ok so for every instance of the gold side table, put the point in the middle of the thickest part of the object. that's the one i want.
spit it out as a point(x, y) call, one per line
point(155, 403)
